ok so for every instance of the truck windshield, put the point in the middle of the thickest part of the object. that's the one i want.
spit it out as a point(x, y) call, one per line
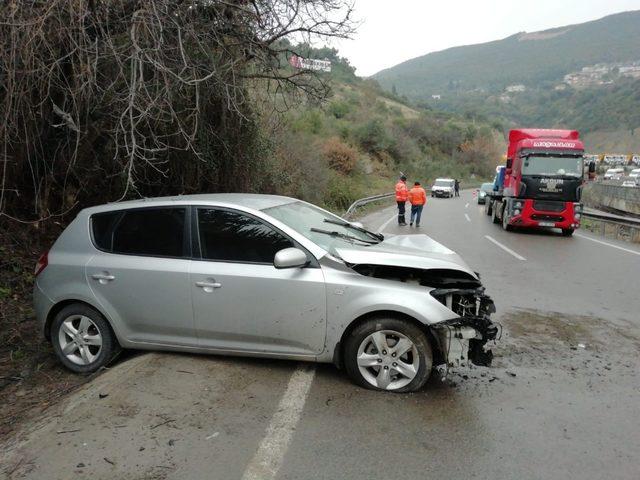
point(542, 165)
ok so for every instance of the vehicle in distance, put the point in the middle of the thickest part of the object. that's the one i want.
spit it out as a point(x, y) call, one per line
point(614, 174)
point(482, 192)
point(635, 173)
point(263, 276)
point(540, 184)
point(443, 187)
point(633, 182)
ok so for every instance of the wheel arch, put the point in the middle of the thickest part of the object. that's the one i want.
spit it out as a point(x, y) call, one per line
point(57, 308)
point(338, 352)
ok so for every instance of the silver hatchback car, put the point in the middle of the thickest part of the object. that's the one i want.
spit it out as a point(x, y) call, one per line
point(262, 276)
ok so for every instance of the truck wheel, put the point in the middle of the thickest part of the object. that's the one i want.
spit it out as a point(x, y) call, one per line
point(494, 214)
point(567, 232)
point(487, 207)
point(505, 221)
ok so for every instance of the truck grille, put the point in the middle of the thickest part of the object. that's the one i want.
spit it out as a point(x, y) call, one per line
point(547, 218)
point(547, 206)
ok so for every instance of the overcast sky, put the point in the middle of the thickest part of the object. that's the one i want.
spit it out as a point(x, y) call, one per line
point(393, 31)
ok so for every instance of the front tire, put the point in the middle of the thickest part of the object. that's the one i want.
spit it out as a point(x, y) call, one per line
point(567, 232)
point(388, 354)
point(82, 339)
point(505, 221)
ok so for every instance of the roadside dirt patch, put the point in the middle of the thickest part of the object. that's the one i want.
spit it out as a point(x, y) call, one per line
point(554, 340)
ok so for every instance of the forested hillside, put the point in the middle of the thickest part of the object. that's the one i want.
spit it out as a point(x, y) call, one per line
point(520, 80)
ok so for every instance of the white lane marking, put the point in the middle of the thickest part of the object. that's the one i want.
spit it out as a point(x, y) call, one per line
point(268, 459)
point(466, 206)
point(505, 248)
point(467, 217)
point(607, 244)
point(386, 224)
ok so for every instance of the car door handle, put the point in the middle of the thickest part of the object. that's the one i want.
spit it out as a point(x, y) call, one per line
point(103, 277)
point(208, 285)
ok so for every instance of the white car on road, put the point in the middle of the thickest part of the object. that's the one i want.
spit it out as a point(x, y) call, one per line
point(443, 187)
point(614, 174)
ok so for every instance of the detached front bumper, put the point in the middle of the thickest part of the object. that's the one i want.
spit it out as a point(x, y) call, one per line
point(463, 340)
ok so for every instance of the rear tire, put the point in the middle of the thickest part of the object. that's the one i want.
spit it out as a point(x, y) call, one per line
point(487, 207)
point(567, 232)
point(494, 216)
point(405, 371)
point(82, 339)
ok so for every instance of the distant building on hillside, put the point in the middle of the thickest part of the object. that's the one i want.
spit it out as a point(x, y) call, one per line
point(436, 97)
point(515, 88)
point(602, 74)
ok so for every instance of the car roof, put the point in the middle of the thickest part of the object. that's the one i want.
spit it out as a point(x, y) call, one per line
point(445, 179)
point(248, 200)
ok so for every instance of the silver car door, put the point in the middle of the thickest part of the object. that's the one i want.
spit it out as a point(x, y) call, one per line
point(241, 301)
point(140, 276)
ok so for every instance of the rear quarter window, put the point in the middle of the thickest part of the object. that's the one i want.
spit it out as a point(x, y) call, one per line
point(102, 229)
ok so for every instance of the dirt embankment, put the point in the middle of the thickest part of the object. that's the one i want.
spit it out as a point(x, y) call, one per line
point(31, 379)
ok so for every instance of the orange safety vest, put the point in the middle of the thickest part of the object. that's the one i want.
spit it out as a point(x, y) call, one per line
point(417, 196)
point(401, 192)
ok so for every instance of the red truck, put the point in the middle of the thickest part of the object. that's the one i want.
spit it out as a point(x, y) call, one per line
point(541, 183)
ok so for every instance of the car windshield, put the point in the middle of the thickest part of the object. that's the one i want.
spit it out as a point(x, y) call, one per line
point(319, 226)
point(444, 183)
point(486, 187)
point(543, 165)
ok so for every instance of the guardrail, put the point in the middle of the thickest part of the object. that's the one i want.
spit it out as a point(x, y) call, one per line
point(364, 201)
point(617, 226)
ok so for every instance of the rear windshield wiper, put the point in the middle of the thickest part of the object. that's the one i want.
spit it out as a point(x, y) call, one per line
point(377, 236)
point(343, 236)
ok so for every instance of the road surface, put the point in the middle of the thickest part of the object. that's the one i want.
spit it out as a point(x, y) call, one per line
point(561, 400)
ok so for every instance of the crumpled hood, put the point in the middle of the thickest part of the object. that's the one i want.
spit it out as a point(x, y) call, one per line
point(413, 251)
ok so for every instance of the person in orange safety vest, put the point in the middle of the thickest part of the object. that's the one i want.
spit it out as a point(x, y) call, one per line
point(418, 198)
point(402, 194)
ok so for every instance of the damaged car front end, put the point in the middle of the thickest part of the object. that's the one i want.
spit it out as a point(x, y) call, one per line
point(460, 339)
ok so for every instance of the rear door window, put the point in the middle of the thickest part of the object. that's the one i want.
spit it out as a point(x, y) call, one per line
point(155, 232)
point(236, 237)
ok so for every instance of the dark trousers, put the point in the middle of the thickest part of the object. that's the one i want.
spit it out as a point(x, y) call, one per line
point(416, 213)
point(401, 212)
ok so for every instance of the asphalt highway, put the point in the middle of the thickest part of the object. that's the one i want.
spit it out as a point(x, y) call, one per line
point(560, 401)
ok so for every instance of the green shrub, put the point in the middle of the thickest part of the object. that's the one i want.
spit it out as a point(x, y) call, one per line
point(339, 109)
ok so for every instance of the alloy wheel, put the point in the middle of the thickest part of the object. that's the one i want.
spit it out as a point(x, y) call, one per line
point(80, 339)
point(388, 360)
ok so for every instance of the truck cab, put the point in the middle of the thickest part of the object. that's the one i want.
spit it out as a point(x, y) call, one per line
point(542, 183)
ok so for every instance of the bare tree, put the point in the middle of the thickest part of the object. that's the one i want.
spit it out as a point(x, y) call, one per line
point(108, 99)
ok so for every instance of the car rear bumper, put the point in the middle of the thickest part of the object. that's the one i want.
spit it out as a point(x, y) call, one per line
point(41, 306)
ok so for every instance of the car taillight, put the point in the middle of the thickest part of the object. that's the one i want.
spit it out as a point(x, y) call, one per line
point(43, 261)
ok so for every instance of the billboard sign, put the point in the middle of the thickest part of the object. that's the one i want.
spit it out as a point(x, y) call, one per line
point(310, 64)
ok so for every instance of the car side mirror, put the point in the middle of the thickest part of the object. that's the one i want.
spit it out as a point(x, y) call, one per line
point(290, 258)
